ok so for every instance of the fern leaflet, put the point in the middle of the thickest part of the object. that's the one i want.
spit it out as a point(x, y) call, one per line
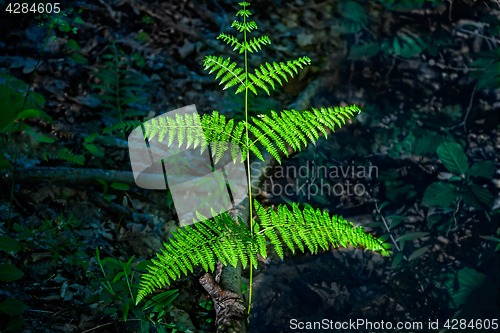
point(271, 72)
point(273, 132)
point(246, 26)
point(231, 71)
point(230, 242)
point(67, 155)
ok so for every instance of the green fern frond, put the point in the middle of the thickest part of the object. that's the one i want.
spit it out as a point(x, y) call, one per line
point(203, 244)
point(67, 155)
point(218, 63)
point(230, 39)
point(271, 73)
point(223, 239)
point(311, 227)
point(243, 12)
point(273, 132)
point(198, 131)
point(297, 128)
point(124, 126)
point(180, 128)
point(119, 85)
point(246, 26)
point(255, 44)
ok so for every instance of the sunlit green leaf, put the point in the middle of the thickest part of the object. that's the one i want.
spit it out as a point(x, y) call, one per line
point(207, 305)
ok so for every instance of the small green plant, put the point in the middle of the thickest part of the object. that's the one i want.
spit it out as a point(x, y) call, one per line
point(222, 238)
point(16, 107)
point(147, 19)
point(9, 273)
point(116, 186)
point(54, 236)
point(209, 307)
point(461, 184)
point(66, 155)
point(119, 84)
point(120, 291)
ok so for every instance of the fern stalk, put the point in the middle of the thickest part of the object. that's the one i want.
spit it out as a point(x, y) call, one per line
point(248, 156)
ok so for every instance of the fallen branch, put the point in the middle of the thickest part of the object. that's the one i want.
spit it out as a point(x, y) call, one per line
point(99, 200)
point(225, 289)
point(77, 176)
point(229, 308)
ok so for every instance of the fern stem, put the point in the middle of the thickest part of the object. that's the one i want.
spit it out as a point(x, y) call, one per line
point(248, 158)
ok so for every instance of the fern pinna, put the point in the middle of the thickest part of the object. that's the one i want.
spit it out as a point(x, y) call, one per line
point(222, 238)
point(290, 127)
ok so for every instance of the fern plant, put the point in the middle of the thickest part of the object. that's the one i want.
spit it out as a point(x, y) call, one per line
point(66, 155)
point(223, 238)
